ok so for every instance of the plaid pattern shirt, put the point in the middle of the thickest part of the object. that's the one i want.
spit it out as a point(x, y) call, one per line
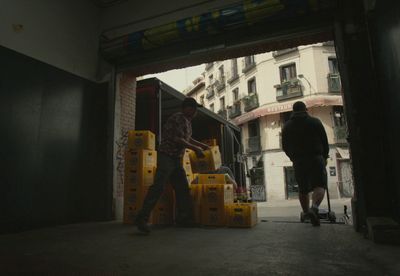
point(177, 126)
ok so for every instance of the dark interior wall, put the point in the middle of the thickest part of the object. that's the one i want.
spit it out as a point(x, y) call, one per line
point(52, 146)
point(385, 35)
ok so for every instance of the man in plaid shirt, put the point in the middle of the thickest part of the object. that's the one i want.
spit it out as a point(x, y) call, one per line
point(177, 136)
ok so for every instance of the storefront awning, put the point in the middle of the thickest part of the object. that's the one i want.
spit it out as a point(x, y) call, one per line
point(269, 109)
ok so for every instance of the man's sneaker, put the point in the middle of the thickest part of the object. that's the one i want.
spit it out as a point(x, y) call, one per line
point(314, 217)
point(142, 226)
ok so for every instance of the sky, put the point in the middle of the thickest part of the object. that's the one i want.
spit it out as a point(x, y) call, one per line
point(179, 78)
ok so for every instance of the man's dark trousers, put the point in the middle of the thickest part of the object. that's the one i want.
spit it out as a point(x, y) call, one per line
point(169, 168)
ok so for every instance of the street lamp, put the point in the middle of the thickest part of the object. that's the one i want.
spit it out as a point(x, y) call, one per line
point(301, 76)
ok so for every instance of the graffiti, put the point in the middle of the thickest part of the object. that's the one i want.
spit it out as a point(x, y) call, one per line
point(258, 192)
point(235, 17)
point(121, 145)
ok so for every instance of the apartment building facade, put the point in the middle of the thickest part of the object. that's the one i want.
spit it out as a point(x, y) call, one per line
point(257, 93)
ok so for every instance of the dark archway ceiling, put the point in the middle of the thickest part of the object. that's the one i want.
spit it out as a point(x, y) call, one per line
point(251, 27)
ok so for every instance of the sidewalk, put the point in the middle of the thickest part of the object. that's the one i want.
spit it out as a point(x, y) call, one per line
point(291, 209)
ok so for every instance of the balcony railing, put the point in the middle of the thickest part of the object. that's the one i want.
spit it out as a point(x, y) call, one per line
point(334, 83)
point(248, 64)
point(235, 110)
point(222, 113)
point(250, 102)
point(340, 134)
point(253, 144)
point(220, 83)
point(210, 92)
point(289, 89)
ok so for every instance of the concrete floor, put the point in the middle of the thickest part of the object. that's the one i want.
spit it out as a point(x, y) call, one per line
point(273, 247)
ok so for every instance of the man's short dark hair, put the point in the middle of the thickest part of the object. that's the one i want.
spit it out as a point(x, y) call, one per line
point(190, 102)
point(299, 107)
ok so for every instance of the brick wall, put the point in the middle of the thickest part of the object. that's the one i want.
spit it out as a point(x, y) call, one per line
point(125, 107)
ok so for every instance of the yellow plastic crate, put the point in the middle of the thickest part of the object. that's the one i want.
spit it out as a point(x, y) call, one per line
point(242, 214)
point(210, 142)
point(133, 201)
point(210, 162)
point(139, 178)
point(211, 179)
point(140, 158)
point(141, 139)
point(187, 166)
point(196, 192)
point(213, 216)
point(216, 195)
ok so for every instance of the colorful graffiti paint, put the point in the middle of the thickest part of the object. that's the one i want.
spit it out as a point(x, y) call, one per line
point(248, 13)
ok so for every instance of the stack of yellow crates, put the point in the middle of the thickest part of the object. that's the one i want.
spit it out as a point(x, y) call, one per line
point(210, 162)
point(241, 214)
point(213, 196)
point(163, 212)
point(216, 195)
point(140, 166)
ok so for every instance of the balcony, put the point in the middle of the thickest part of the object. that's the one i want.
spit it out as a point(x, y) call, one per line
point(235, 110)
point(248, 64)
point(210, 92)
point(254, 144)
point(334, 83)
point(250, 102)
point(220, 83)
point(289, 89)
point(209, 65)
point(222, 113)
point(340, 134)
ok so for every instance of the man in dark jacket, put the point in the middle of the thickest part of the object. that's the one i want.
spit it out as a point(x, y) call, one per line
point(305, 143)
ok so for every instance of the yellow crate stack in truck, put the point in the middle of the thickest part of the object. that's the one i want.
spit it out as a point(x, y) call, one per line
point(140, 166)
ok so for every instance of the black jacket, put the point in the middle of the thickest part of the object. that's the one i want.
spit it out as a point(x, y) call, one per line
point(304, 136)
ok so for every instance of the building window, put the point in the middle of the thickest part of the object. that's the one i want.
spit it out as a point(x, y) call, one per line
point(333, 65)
point(251, 86)
point(210, 79)
point(288, 72)
point(338, 116)
point(222, 103)
point(234, 67)
point(253, 128)
point(249, 60)
point(253, 142)
point(202, 99)
point(212, 107)
point(235, 94)
point(221, 72)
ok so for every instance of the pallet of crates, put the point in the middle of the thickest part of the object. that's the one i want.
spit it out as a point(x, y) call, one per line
point(140, 166)
point(216, 195)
